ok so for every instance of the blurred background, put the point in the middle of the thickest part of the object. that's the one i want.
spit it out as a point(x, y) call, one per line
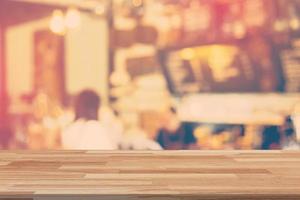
point(149, 74)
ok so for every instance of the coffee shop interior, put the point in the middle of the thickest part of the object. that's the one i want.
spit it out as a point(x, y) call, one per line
point(149, 74)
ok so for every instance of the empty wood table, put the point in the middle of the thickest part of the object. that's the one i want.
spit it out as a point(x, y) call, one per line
point(201, 175)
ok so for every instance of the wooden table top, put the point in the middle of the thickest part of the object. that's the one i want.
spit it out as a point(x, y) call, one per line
point(155, 175)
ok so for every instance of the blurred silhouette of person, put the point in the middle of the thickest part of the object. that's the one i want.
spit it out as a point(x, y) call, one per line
point(136, 138)
point(87, 132)
point(271, 138)
point(288, 132)
point(112, 121)
point(174, 135)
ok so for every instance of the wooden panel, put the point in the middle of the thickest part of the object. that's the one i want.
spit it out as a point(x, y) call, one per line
point(49, 65)
point(153, 175)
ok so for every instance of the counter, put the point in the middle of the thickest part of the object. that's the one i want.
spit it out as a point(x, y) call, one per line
point(201, 175)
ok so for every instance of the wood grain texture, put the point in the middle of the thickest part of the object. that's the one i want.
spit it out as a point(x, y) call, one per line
point(219, 175)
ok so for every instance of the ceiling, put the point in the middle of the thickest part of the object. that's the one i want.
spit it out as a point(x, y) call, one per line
point(81, 4)
point(13, 12)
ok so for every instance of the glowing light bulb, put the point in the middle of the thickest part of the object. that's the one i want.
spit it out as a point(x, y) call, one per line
point(73, 18)
point(57, 22)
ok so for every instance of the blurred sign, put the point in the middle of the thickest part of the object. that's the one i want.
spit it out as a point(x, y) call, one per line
point(142, 66)
point(291, 67)
point(212, 68)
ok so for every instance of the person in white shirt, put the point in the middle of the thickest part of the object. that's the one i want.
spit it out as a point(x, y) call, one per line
point(110, 119)
point(87, 132)
point(135, 138)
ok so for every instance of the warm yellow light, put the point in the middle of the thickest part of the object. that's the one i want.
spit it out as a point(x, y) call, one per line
point(220, 60)
point(120, 77)
point(73, 18)
point(280, 25)
point(137, 3)
point(295, 23)
point(239, 30)
point(57, 22)
point(187, 54)
point(100, 9)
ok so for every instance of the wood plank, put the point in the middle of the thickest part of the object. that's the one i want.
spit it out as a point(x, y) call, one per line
point(209, 175)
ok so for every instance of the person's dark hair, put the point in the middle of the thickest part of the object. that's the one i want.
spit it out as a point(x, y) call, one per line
point(289, 129)
point(86, 105)
point(271, 138)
